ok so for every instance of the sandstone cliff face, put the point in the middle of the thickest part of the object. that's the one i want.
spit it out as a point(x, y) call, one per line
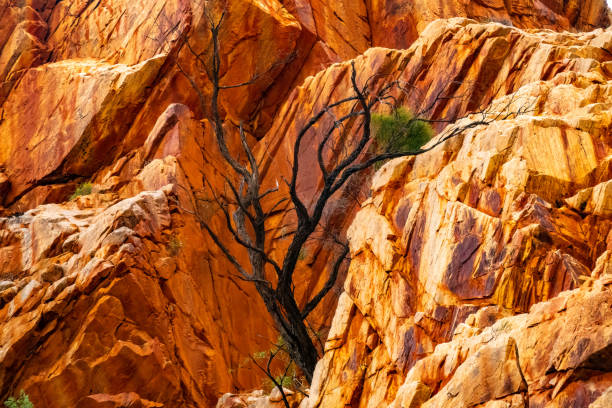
point(118, 298)
point(123, 292)
point(286, 41)
point(508, 219)
point(104, 107)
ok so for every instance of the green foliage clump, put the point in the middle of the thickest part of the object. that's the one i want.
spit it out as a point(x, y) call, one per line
point(82, 190)
point(174, 245)
point(22, 402)
point(302, 254)
point(286, 380)
point(399, 131)
point(276, 360)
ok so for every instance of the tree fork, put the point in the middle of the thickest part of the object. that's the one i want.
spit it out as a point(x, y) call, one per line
point(245, 216)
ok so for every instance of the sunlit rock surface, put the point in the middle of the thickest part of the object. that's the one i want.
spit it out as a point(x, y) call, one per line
point(480, 271)
point(118, 298)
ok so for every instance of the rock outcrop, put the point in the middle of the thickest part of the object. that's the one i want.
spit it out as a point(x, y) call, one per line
point(349, 28)
point(105, 301)
point(508, 219)
point(117, 298)
point(280, 44)
point(82, 119)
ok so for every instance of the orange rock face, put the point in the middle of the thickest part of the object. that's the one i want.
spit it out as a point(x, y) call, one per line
point(350, 27)
point(81, 119)
point(118, 298)
point(113, 300)
point(452, 246)
point(278, 44)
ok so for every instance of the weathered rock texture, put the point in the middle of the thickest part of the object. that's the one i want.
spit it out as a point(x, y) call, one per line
point(117, 298)
point(95, 102)
point(508, 219)
point(98, 298)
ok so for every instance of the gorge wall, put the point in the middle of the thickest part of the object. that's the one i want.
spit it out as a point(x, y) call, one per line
point(118, 297)
point(480, 272)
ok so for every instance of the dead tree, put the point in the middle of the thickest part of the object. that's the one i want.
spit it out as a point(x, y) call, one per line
point(241, 206)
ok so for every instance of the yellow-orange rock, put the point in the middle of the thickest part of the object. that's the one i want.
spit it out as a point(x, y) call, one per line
point(501, 56)
point(285, 43)
point(117, 31)
point(22, 45)
point(503, 220)
point(81, 119)
point(285, 40)
point(115, 306)
point(118, 298)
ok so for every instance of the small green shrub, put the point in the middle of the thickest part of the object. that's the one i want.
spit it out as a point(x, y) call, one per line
point(22, 402)
point(285, 381)
point(82, 190)
point(288, 377)
point(302, 254)
point(174, 245)
point(399, 131)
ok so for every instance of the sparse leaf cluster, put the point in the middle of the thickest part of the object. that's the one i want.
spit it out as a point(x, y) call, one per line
point(287, 377)
point(23, 401)
point(400, 131)
point(82, 190)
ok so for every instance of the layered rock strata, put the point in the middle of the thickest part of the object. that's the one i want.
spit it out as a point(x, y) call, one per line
point(121, 289)
point(279, 44)
point(510, 218)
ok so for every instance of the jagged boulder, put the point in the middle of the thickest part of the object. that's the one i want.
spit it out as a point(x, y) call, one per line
point(103, 311)
point(83, 117)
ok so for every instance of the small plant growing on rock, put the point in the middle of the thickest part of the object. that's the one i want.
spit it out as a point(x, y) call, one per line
point(280, 370)
point(174, 245)
point(303, 254)
point(399, 131)
point(22, 402)
point(286, 380)
point(82, 190)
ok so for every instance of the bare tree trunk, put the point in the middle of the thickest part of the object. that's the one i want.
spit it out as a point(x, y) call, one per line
point(244, 215)
point(301, 347)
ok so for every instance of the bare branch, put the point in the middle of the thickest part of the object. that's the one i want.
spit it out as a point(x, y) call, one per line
point(299, 205)
point(267, 371)
point(331, 280)
point(230, 257)
point(339, 155)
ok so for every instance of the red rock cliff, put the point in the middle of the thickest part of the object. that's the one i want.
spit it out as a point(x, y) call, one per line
point(118, 298)
point(480, 272)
